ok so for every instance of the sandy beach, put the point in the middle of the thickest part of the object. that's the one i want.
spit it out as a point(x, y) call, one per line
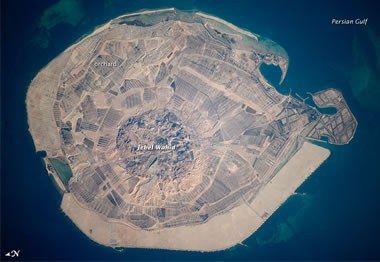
point(228, 24)
point(233, 227)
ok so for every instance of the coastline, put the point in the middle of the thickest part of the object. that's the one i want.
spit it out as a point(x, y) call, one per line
point(318, 220)
point(233, 227)
point(283, 62)
point(237, 225)
point(233, 27)
point(43, 81)
point(101, 28)
point(339, 94)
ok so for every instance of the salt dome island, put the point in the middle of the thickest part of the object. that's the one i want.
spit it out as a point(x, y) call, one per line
point(161, 132)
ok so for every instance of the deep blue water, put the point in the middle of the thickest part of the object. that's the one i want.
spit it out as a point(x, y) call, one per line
point(336, 219)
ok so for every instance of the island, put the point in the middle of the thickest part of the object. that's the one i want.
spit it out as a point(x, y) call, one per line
point(161, 132)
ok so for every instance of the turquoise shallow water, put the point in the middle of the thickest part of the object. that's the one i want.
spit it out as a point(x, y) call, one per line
point(336, 218)
point(62, 169)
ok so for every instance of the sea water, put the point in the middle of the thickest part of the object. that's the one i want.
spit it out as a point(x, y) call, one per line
point(334, 216)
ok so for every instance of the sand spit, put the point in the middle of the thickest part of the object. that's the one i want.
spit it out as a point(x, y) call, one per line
point(237, 29)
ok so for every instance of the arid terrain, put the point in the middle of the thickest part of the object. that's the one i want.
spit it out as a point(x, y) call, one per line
point(162, 133)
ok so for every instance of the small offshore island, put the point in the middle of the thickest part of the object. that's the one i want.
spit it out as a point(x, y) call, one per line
point(162, 133)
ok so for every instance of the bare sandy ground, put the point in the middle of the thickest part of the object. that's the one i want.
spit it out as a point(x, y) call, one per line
point(220, 232)
point(237, 29)
point(107, 25)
